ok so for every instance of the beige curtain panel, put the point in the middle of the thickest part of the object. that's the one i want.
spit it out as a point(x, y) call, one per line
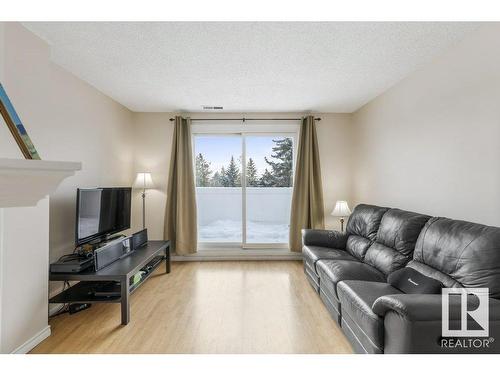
point(307, 197)
point(180, 215)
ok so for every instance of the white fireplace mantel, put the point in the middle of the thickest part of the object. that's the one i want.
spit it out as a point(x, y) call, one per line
point(25, 182)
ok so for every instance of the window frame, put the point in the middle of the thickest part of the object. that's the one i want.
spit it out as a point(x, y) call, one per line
point(287, 129)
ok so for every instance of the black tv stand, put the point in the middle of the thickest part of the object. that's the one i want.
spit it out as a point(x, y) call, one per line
point(121, 271)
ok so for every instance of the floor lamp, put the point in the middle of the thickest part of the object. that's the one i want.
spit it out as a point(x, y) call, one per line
point(143, 181)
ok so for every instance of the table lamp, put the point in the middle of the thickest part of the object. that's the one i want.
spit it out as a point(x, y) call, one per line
point(341, 210)
point(143, 181)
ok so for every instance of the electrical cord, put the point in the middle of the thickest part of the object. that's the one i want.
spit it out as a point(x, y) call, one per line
point(65, 307)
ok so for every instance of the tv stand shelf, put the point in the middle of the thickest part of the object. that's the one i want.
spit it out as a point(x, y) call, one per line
point(82, 293)
point(121, 270)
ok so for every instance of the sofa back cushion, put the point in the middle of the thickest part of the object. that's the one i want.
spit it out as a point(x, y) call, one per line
point(362, 228)
point(464, 252)
point(395, 241)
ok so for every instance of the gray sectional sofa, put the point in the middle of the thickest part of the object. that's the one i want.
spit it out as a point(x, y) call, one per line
point(353, 273)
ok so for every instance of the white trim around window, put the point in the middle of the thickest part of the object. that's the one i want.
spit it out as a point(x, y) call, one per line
point(286, 129)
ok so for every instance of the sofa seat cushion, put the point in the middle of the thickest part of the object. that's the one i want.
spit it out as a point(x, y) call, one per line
point(356, 300)
point(332, 271)
point(314, 253)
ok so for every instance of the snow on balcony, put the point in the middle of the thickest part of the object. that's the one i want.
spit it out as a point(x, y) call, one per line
point(220, 214)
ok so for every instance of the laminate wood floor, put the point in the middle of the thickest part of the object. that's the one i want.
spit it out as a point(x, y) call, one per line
point(208, 307)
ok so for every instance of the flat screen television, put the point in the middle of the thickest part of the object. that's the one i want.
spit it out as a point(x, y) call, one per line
point(101, 212)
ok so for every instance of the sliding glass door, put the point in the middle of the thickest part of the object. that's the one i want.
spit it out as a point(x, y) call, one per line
point(269, 179)
point(218, 188)
point(243, 188)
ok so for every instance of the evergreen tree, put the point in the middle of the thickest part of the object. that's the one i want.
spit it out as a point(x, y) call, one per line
point(267, 179)
point(252, 173)
point(223, 177)
point(203, 171)
point(216, 180)
point(232, 174)
point(281, 170)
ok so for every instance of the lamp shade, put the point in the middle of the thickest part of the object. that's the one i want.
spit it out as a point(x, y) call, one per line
point(341, 209)
point(144, 181)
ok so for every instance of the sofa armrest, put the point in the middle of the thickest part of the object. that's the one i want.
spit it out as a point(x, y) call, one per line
point(324, 238)
point(428, 307)
point(413, 324)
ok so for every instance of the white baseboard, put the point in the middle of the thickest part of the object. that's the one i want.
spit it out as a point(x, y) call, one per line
point(32, 342)
point(227, 255)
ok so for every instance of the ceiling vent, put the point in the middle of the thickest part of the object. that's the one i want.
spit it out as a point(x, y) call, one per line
point(212, 107)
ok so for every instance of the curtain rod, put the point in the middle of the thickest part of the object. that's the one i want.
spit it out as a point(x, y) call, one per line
point(247, 119)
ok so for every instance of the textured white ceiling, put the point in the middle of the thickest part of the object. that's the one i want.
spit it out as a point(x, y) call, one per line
point(246, 67)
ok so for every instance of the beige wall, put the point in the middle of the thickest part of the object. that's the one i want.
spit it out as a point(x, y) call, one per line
point(152, 148)
point(67, 120)
point(153, 138)
point(336, 149)
point(432, 142)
